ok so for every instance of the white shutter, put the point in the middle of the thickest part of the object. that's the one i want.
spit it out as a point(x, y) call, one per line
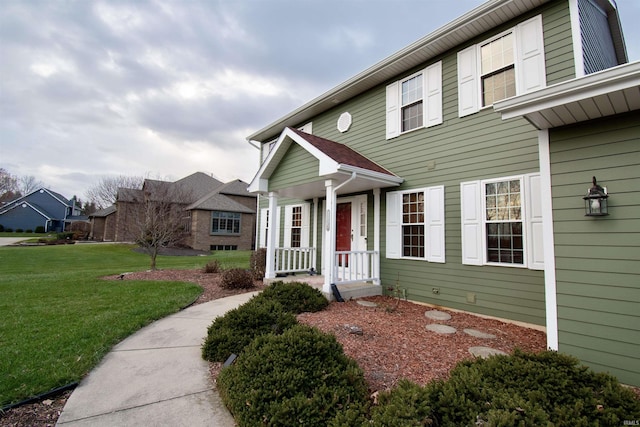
point(288, 217)
point(263, 227)
point(393, 112)
point(435, 224)
point(433, 94)
point(276, 222)
point(468, 99)
point(533, 212)
point(394, 225)
point(530, 64)
point(306, 220)
point(471, 213)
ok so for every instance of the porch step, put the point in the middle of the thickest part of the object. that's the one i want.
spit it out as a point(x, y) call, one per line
point(358, 290)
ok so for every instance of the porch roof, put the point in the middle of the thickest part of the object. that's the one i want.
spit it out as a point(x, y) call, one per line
point(336, 161)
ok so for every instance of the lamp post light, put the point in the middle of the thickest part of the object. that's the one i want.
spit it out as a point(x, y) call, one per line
point(595, 202)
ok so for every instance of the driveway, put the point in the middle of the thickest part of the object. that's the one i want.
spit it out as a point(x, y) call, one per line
point(6, 241)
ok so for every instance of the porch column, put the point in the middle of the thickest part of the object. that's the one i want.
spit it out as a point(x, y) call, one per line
point(314, 241)
point(271, 237)
point(328, 250)
point(376, 234)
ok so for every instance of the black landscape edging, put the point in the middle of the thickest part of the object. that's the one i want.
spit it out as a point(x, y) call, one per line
point(39, 397)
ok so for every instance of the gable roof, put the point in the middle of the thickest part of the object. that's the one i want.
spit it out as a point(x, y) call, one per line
point(218, 200)
point(104, 212)
point(336, 161)
point(235, 188)
point(38, 209)
point(472, 24)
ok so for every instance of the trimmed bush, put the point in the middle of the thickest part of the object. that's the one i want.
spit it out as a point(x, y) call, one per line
point(8, 230)
point(296, 297)
point(301, 377)
point(259, 263)
point(236, 278)
point(40, 229)
point(231, 333)
point(28, 230)
point(1, 228)
point(19, 230)
point(213, 266)
point(546, 388)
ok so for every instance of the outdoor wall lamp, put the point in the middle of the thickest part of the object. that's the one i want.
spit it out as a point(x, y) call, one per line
point(595, 202)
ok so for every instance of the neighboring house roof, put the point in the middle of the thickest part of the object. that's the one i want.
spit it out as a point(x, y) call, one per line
point(129, 195)
point(104, 212)
point(57, 196)
point(32, 206)
point(199, 184)
point(217, 199)
point(485, 17)
point(612, 91)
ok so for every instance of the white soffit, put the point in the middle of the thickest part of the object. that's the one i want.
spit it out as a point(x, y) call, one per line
point(608, 92)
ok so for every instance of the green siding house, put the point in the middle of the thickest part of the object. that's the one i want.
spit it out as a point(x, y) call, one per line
point(454, 171)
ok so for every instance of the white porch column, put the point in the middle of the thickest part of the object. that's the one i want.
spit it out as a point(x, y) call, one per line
point(376, 234)
point(328, 250)
point(314, 241)
point(271, 236)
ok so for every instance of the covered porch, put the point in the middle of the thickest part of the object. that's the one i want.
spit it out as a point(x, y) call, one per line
point(340, 192)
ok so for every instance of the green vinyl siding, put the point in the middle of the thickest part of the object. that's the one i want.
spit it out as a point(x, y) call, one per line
point(296, 167)
point(598, 259)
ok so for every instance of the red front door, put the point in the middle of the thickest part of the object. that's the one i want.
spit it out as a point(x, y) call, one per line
point(343, 230)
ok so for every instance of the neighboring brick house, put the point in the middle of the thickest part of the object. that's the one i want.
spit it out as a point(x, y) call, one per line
point(215, 216)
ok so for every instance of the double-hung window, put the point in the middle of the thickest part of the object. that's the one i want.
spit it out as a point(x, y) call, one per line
point(508, 64)
point(225, 222)
point(415, 224)
point(414, 102)
point(502, 222)
point(296, 225)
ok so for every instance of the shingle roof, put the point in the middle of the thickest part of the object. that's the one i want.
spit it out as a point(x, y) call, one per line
point(341, 153)
point(104, 212)
point(217, 199)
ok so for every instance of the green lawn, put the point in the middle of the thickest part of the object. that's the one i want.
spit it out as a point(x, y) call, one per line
point(58, 318)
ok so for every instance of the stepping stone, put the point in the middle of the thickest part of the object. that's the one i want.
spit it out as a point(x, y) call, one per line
point(485, 352)
point(367, 303)
point(437, 315)
point(441, 329)
point(479, 334)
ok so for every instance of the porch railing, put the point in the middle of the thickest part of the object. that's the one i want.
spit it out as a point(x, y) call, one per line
point(293, 260)
point(356, 266)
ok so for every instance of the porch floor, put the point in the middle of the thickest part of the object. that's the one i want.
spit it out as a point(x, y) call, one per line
point(347, 291)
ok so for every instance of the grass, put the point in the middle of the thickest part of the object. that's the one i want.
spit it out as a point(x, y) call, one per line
point(58, 318)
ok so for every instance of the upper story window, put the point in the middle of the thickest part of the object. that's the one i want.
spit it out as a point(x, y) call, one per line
point(225, 222)
point(414, 102)
point(509, 64)
point(497, 70)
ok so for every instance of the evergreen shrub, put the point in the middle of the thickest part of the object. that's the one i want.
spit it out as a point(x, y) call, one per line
point(19, 230)
point(28, 230)
point(1, 228)
point(296, 297)
point(236, 278)
point(40, 229)
point(528, 389)
point(301, 377)
point(231, 333)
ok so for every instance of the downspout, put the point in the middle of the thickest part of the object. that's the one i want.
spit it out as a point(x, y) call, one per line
point(353, 176)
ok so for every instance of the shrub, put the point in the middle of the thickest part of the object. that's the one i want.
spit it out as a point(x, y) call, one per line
point(231, 333)
point(28, 231)
point(236, 278)
point(40, 229)
point(19, 230)
point(67, 235)
point(259, 263)
point(212, 266)
point(301, 377)
point(547, 388)
point(1, 228)
point(296, 297)
point(8, 230)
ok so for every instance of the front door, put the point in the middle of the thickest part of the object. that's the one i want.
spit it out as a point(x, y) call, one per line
point(344, 233)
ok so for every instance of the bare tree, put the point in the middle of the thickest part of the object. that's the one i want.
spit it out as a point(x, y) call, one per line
point(159, 213)
point(104, 193)
point(27, 183)
point(8, 185)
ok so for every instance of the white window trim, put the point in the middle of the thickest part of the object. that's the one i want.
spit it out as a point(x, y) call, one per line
point(305, 229)
point(529, 63)
point(473, 222)
point(433, 225)
point(431, 101)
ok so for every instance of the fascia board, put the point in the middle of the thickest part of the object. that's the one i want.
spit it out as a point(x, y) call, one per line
point(618, 78)
point(372, 175)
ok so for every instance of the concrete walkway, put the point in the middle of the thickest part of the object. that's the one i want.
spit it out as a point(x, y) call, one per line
point(6, 241)
point(155, 377)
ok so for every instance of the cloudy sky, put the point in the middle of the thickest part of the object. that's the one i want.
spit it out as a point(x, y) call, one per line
point(167, 88)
